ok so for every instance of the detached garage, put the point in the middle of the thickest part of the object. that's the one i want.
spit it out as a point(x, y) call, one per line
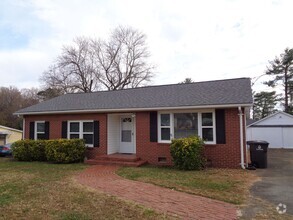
point(277, 129)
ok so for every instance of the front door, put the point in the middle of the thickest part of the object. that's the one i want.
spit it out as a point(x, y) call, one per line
point(127, 134)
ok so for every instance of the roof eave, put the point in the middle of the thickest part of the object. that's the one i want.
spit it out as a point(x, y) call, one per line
point(8, 128)
point(134, 109)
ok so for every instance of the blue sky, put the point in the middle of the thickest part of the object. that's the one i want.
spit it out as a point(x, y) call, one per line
point(203, 40)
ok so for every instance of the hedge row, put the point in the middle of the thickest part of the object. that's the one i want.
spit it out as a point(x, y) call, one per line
point(188, 153)
point(56, 151)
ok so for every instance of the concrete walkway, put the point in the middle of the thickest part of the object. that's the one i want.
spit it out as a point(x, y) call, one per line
point(164, 200)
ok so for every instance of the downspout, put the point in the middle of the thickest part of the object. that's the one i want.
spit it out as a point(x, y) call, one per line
point(23, 127)
point(241, 137)
point(246, 148)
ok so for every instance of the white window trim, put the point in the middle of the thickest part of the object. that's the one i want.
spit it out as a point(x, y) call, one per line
point(171, 127)
point(81, 132)
point(36, 131)
point(213, 126)
point(199, 115)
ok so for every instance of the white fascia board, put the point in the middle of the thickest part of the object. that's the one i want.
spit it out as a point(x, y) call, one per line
point(133, 109)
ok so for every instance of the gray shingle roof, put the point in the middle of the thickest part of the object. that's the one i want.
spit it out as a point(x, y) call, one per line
point(209, 93)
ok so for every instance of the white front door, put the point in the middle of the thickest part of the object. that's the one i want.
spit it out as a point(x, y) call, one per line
point(127, 134)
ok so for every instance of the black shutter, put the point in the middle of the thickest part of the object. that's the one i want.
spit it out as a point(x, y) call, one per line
point(32, 130)
point(47, 130)
point(64, 130)
point(220, 126)
point(153, 127)
point(96, 133)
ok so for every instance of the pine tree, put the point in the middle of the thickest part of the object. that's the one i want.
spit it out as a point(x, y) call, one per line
point(264, 104)
point(282, 68)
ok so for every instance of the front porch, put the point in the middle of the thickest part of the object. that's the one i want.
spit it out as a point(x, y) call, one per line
point(117, 159)
point(121, 133)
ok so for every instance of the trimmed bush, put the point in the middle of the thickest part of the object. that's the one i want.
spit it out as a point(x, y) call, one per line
point(29, 150)
point(56, 151)
point(188, 153)
point(65, 151)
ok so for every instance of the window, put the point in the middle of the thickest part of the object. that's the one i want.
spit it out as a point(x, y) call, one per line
point(165, 127)
point(184, 124)
point(207, 127)
point(82, 130)
point(40, 130)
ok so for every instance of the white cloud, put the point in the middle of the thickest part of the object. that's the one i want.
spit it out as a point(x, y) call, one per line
point(204, 40)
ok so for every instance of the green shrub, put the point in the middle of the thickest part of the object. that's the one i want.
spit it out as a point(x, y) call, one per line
point(29, 150)
point(65, 151)
point(56, 151)
point(37, 150)
point(188, 153)
point(21, 150)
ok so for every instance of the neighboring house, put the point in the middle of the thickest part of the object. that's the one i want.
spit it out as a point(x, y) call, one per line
point(249, 121)
point(277, 129)
point(9, 135)
point(143, 121)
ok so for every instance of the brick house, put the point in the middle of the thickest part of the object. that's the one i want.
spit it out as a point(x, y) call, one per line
point(142, 121)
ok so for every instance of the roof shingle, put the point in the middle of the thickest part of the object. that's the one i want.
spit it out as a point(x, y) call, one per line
point(209, 93)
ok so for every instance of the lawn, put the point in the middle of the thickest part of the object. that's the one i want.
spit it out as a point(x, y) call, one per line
point(33, 190)
point(229, 185)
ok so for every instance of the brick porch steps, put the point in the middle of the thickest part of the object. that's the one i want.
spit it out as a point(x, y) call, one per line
point(117, 163)
point(117, 159)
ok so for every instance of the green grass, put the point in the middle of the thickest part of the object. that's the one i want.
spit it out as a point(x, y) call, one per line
point(34, 190)
point(222, 184)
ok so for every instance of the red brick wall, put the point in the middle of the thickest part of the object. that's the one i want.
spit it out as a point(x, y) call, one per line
point(56, 126)
point(220, 155)
point(227, 155)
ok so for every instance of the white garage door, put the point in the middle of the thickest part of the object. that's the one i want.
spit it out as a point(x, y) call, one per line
point(288, 137)
point(278, 137)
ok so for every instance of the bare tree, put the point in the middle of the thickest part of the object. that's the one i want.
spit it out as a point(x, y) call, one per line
point(117, 63)
point(29, 97)
point(11, 100)
point(122, 61)
point(74, 69)
point(49, 93)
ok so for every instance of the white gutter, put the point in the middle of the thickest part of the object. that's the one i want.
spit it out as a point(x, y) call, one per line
point(242, 164)
point(132, 109)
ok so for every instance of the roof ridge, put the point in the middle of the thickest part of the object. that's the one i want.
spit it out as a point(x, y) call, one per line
point(163, 85)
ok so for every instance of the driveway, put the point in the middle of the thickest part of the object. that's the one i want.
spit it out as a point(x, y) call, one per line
point(276, 185)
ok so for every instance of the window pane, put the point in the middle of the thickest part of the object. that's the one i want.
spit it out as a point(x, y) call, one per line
point(89, 138)
point(126, 120)
point(74, 136)
point(207, 134)
point(126, 135)
point(165, 134)
point(40, 136)
point(207, 119)
point(40, 127)
point(88, 127)
point(185, 124)
point(165, 119)
point(74, 126)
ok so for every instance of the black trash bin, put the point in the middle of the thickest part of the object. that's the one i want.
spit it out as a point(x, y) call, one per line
point(258, 153)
